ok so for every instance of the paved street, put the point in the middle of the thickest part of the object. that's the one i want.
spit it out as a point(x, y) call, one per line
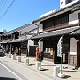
point(18, 71)
point(21, 71)
point(7, 73)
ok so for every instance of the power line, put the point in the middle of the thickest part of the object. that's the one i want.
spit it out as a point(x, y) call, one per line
point(7, 9)
point(2, 2)
point(15, 3)
point(3, 5)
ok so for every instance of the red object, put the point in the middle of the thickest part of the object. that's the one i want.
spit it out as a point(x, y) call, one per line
point(37, 52)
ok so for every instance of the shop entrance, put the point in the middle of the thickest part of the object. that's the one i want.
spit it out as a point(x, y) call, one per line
point(78, 54)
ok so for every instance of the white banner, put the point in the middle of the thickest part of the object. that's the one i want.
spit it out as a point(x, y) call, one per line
point(59, 47)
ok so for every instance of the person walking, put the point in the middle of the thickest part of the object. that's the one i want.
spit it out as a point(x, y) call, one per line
point(37, 54)
point(7, 48)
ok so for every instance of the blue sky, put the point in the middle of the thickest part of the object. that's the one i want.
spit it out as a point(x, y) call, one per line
point(24, 12)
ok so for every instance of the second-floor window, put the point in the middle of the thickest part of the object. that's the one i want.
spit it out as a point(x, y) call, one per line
point(61, 21)
point(56, 22)
point(48, 24)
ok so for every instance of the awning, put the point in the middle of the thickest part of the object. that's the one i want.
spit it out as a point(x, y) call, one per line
point(76, 7)
point(6, 41)
point(55, 33)
point(14, 41)
point(17, 40)
point(77, 31)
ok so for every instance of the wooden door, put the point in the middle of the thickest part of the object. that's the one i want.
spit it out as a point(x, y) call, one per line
point(78, 53)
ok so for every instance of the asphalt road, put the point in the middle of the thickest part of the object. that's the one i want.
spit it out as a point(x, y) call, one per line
point(7, 73)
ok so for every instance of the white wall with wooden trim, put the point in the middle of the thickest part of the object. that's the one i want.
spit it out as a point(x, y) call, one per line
point(73, 18)
point(40, 27)
point(73, 46)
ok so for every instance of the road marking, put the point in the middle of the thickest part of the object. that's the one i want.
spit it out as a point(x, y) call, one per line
point(11, 71)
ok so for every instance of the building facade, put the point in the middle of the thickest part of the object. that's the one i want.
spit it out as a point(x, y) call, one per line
point(46, 31)
point(18, 40)
point(65, 21)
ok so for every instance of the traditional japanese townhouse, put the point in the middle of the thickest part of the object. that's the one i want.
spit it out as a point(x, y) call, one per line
point(64, 21)
point(18, 39)
point(28, 32)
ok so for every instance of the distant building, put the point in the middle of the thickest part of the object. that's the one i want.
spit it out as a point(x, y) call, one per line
point(4, 30)
point(66, 3)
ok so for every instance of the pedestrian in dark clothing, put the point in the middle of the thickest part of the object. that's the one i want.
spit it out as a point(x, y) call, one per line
point(7, 48)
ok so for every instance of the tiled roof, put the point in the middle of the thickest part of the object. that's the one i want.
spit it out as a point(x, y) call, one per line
point(16, 40)
point(76, 31)
point(19, 28)
point(56, 13)
point(55, 33)
point(29, 29)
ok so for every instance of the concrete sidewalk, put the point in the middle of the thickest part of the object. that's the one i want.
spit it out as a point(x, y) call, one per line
point(48, 68)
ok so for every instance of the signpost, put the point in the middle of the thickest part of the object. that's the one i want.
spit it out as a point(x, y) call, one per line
point(59, 53)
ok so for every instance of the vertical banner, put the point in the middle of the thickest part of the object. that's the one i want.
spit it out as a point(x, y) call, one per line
point(59, 47)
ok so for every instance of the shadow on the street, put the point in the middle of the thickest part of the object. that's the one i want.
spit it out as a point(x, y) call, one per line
point(1, 55)
point(44, 69)
point(21, 61)
point(69, 71)
point(32, 64)
point(6, 78)
point(66, 76)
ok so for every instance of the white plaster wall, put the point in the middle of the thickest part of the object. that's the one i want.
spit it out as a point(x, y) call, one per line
point(34, 31)
point(41, 45)
point(30, 43)
point(73, 46)
point(63, 3)
point(40, 27)
point(23, 37)
point(28, 36)
point(73, 18)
